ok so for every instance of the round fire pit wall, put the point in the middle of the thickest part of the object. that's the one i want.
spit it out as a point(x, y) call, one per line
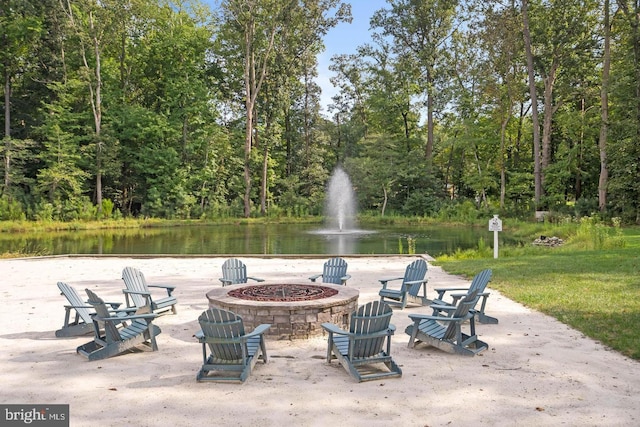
point(294, 310)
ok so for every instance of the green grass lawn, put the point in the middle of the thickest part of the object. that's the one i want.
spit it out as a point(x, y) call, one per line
point(596, 291)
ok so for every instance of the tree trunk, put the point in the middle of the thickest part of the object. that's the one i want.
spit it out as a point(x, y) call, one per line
point(537, 171)
point(549, 82)
point(384, 201)
point(97, 113)
point(604, 113)
point(429, 148)
point(503, 136)
point(249, 82)
point(7, 130)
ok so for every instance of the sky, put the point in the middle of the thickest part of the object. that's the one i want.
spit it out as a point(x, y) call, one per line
point(342, 39)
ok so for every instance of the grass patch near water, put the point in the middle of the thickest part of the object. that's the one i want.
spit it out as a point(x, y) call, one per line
point(596, 291)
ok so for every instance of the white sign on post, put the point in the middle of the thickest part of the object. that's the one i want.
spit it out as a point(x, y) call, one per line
point(495, 225)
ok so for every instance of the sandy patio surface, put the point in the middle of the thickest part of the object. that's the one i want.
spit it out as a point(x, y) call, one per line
point(537, 371)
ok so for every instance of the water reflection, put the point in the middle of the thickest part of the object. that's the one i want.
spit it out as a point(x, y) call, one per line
point(261, 239)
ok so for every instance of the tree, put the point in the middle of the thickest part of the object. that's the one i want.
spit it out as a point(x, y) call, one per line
point(19, 28)
point(537, 160)
point(561, 37)
point(604, 110)
point(421, 29)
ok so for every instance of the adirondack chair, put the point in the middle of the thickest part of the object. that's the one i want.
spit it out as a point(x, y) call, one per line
point(81, 324)
point(138, 294)
point(362, 350)
point(121, 333)
point(445, 331)
point(231, 354)
point(234, 271)
point(334, 271)
point(413, 281)
point(478, 283)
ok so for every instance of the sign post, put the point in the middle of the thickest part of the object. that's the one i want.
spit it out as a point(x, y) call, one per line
point(495, 225)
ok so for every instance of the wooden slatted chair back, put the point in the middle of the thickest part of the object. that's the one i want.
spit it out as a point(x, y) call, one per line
point(74, 299)
point(480, 282)
point(235, 271)
point(223, 326)
point(367, 319)
point(134, 281)
point(334, 270)
point(415, 271)
point(462, 312)
point(110, 329)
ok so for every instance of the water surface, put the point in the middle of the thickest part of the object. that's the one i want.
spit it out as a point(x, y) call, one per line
point(259, 239)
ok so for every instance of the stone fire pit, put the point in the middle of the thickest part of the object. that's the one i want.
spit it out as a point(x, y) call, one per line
point(294, 310)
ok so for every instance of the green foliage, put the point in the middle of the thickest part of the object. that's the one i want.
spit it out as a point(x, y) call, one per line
point(167, 139)
point(593, 234)
point(107, 208)
point(459, 211)
point(11, 210)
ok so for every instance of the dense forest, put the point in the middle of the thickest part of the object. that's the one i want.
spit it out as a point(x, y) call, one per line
point(175, 109)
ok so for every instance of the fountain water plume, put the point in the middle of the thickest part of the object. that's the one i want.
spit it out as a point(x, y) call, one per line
point(340, 204)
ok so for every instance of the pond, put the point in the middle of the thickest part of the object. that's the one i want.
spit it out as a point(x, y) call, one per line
point(257, 239)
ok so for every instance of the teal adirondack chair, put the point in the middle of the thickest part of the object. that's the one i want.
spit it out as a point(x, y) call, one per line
point(81, 323)
point(413, 281)
point(479, 283)
point(229, 354)
point(138, 294)
point(234, 271)
point(365, 349)
point(122, 333)
point(334, 271)
point(445, 331)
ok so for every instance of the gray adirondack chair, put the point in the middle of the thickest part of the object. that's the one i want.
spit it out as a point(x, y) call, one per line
point(137, 293)
point(413, 281)
point(81, 322)
point(334, 271)
point(234, 271)
point(121, 333)
point(228, 353)
point(445, 331)
point(451, 296)
point(365, 349)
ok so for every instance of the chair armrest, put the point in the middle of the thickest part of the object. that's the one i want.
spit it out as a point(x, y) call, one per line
point(68, 307)
point(168, 288)
point(442, 291)
point(259, 330)
point(413, 282)
point(127, 291)
point(255, 278)
point(450, 289)
point(443, 307)
point(225, 282)
point(125, 318)
point(314, 277)
point(331, 328)
point(457, 295)
point(384, 281)
point(419, 317)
